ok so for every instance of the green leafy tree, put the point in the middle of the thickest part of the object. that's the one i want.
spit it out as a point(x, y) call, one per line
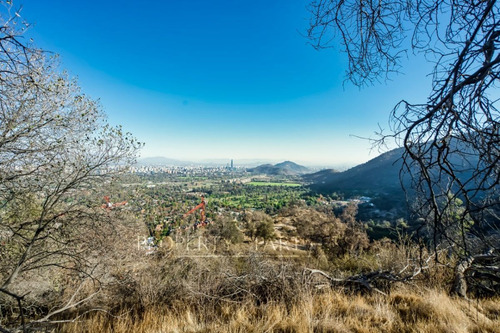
point(226, 228)
point(259, 225)
point(265, 230)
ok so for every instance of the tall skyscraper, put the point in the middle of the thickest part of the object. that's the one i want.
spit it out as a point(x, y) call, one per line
point(232, 164)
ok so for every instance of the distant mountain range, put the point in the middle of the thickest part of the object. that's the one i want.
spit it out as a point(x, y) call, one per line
point(217, 162)
point(379, 175)
point(162, 161)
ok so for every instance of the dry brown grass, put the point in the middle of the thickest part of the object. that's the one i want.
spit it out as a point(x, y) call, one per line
point(243, 289)
point(403, 311)
point(261, 293)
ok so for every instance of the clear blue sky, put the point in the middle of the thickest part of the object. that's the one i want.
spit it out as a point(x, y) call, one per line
point(219, 79)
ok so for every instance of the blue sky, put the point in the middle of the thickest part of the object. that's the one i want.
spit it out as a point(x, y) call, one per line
point(219, 79)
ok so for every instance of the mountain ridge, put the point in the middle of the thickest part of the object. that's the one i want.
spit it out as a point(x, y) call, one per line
point(380, 174)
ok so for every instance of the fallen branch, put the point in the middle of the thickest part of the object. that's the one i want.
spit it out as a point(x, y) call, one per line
point(366, 281)
point(478, 267)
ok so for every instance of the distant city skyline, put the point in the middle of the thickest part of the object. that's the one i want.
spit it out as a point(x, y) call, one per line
point(246, 163)
point(221, 79)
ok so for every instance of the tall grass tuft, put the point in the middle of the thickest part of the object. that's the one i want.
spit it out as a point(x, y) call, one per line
point(330, 311)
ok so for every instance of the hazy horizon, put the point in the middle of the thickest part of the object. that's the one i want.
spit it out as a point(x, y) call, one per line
point(246, 162)
point(220, 79)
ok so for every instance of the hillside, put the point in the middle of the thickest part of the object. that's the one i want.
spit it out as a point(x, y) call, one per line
point(379, 175)
point(321, 176)
point(286, 168)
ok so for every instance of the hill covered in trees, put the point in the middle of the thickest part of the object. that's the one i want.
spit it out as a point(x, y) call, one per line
point(287, 168)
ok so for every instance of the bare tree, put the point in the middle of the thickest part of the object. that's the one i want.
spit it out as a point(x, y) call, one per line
point(451, 140)
point(56, 151)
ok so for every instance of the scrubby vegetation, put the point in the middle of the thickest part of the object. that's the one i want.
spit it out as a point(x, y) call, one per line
point(306, 270)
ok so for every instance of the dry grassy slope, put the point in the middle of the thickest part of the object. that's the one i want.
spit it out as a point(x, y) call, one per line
point(173, 292)
point(403, 311)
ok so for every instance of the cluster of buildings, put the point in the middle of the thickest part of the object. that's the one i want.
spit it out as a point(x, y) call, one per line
point(186, 170)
